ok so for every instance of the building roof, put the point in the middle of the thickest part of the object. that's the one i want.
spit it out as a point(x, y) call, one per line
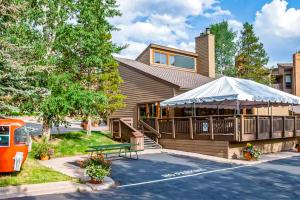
point(285, 65)
point(179, 78)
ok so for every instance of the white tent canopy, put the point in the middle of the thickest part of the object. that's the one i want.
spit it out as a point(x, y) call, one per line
point(228, 92)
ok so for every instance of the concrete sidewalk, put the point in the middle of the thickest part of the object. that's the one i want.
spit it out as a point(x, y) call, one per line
point(42, 189)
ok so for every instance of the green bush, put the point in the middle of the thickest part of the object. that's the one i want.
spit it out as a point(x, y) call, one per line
point(97, 167)
point(42, 149)
point(97, 172)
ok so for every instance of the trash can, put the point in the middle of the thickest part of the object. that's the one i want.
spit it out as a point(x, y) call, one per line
point(137, 138)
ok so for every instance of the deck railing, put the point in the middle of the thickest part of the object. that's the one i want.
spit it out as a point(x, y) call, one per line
point(227, 127)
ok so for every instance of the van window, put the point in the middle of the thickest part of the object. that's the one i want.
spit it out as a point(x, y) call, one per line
point(21, 135)
point(4, 136)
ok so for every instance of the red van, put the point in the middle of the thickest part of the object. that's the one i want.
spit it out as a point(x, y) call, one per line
point(13, 144)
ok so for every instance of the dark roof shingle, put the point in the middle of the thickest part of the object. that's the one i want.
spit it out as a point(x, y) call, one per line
point(183, 79)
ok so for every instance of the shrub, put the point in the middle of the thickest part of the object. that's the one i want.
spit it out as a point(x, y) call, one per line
point(250, 152)
point(97, 167)
point(97, 172)
point(42, 148)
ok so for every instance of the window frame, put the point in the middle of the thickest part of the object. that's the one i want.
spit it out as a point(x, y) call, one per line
point(9, 128)
point(168, 59)
point(289, 85)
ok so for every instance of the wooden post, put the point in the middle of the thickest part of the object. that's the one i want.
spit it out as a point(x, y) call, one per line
point(111, 125)
point(283, 127)
point(257, 127)
point(158, 109)
point(156, 124)
point(173, 128)
point(211, 127)
point(235, 127)
point(294, 126)
point(191, 128)
point(271, 127)
point(120, 129)
point(242, 122)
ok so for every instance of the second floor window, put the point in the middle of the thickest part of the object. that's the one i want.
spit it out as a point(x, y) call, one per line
point(182, 61)
point(160, 58)
point(288, 81)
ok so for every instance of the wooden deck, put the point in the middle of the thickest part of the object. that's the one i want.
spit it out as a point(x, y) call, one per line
point(237, 128)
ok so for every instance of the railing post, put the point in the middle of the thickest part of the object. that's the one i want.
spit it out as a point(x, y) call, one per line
point(294, 125)
point(211, 128)
point(283, 127)
point(257, 127)
point(242, 122)
point(156, 124)
point(173, 127)
point(235, 128)
point(191, 128)
point(271, 127)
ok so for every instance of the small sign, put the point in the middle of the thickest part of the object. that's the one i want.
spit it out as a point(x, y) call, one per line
point(205, 127)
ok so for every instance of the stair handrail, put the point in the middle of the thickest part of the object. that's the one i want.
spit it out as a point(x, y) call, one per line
point(147, 126)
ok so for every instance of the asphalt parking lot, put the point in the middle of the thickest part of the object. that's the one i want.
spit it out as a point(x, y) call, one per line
point(168, 176)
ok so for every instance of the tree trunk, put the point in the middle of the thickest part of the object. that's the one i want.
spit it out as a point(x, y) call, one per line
point(46, 130)
point(89, 126)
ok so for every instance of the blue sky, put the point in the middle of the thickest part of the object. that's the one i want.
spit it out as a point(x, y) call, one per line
point(176, 23)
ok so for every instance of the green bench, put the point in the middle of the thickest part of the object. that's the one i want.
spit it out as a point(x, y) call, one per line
point(113, 149)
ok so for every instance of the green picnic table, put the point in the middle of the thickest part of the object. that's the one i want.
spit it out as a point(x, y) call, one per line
point(114, 149)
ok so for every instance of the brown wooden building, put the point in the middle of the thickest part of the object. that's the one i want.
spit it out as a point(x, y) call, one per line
point(160, 73)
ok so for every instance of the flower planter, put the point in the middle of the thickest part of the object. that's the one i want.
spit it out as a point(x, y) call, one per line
point(92, 181)
point(44, 158)
point(84, 125)
point(95, 124)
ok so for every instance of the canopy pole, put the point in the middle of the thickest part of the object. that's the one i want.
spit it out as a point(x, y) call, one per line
point(292, 109)
point(271, 109)
point(194, 109)
point(268, 107)
point(218, 110)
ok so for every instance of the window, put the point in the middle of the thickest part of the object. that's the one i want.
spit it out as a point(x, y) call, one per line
point(4, 136)
point(21, 135)
point(182, 61)
point(160, 58)
point(288, 81)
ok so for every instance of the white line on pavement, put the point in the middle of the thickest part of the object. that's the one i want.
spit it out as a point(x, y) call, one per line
point(179, 177)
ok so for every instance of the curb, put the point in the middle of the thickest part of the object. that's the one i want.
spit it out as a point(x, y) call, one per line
point(53, 188)
point(277, 156)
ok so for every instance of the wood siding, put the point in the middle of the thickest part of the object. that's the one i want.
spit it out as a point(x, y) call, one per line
point(139, 88)
point(145, 57)
point(207, 147)
point(266, 146)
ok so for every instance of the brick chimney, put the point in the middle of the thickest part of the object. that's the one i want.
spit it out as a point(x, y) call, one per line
point(296, 74)
point(205, 48)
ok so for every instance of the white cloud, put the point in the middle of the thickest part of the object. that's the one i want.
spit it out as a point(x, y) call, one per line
point(160, 21)
point(235, 25)
point(279, 29)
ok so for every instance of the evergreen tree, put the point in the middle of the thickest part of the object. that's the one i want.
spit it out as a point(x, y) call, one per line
point(86, 49)
point(225, 47)
point(20, 53)
point(252, 58)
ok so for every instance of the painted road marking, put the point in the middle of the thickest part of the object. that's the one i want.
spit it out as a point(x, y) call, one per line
point(184, 176)
point(185, 172)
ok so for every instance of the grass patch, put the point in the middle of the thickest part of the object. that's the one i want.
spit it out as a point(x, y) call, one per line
point(32, 173)
point(75, 143)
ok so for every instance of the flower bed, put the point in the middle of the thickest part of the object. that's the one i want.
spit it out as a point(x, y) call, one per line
point(251, 152)
point(97, 168)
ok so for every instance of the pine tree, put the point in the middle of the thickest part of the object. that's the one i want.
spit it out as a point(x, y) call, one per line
point(225, 47)
point(19, 60)
point(252, 59)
